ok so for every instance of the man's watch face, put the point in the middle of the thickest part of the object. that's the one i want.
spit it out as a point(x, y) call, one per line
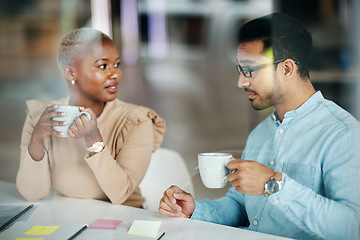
point(272, 186)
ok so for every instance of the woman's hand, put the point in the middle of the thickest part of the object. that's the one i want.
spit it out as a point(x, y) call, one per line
point(45, 125)
point(83, 126)
point(86, 128)
point(43, 129)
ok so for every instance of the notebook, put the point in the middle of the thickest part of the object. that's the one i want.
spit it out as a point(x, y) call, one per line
point(44, 231)
point(9, 213)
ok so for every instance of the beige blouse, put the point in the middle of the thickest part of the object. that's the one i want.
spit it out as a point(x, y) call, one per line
point(131, 133)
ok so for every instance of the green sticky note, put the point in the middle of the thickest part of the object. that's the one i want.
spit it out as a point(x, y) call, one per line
point(29, 238)
point(144, 228)
point(41, 230)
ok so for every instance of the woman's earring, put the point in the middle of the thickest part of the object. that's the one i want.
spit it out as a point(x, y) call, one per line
point(72, 82)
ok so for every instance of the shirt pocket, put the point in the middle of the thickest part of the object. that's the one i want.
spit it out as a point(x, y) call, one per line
point(303, 174)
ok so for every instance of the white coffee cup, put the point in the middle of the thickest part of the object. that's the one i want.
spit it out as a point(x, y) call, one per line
point(213, 170)
point(71, 112)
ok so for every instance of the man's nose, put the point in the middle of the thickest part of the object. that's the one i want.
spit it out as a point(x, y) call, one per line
point(243, 82)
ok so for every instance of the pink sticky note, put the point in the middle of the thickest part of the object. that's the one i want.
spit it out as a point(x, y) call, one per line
point(105, 224)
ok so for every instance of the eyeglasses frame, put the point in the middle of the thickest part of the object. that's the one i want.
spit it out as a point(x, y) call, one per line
point(257, 67)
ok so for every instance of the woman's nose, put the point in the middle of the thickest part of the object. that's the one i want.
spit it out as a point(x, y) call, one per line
point(114, 72)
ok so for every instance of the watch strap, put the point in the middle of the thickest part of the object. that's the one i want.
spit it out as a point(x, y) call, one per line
point(277, 176)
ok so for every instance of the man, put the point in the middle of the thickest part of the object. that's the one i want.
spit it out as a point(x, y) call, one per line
point(300, 169)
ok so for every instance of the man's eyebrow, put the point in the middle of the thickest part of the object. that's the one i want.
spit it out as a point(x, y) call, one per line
point(246, 62)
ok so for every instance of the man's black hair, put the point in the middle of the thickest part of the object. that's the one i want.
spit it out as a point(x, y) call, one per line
point(286, 35)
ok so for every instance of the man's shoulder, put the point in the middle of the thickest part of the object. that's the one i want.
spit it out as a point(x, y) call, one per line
point(333, 115)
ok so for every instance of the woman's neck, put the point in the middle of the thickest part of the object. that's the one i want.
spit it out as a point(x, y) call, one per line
point(96, 107)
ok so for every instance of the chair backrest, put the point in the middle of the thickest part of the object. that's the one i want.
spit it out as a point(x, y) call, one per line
point(166, 168)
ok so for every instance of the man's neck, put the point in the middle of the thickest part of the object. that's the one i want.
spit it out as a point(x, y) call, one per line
point(296, 96)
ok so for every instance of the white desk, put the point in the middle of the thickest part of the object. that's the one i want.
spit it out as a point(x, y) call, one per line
point(56, 208)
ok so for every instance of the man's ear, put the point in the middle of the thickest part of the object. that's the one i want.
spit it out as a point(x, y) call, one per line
point(289, 68)
point(69, 73)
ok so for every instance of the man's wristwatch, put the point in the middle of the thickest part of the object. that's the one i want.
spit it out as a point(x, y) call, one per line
point(274, 185)
point(96, 147)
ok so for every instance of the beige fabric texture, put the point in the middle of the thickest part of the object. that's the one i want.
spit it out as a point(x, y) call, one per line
point(131, 134)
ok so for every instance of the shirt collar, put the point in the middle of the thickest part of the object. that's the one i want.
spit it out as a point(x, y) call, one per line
point(276, 118)
point(312, 102)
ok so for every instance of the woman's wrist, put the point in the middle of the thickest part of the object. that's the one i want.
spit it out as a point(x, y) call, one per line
point(94, 143)
point(93, 138)
point(36, 149)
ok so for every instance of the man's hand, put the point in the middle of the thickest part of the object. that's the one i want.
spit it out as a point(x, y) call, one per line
point(250, 176)
point(176, 203)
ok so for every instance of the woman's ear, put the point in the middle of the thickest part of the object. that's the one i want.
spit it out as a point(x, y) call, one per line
point(69, 73)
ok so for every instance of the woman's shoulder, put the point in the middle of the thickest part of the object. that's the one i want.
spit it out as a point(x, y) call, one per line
point(133, 115)
point(36, 107)
point(131, 111)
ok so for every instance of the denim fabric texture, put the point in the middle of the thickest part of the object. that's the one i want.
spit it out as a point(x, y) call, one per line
point(316, 148)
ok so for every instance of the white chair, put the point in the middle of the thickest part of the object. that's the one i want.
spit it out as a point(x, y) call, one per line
point(166, 168)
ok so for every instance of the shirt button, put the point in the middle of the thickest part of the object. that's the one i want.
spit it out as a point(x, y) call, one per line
point(276, 201)
point(281, 131)
point(255, 222)
point(272, 162)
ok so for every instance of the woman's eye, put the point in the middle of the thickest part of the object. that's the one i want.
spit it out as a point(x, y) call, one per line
point(103, 66)
point(117, 65)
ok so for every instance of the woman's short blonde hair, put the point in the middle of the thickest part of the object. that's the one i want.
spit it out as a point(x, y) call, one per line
point(74, 42)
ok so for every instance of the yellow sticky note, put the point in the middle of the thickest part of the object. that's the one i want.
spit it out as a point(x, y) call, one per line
point(41, 230)
point(29, 238)
point(144, 228)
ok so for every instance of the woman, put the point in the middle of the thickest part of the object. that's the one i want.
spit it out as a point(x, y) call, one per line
point(104, 157)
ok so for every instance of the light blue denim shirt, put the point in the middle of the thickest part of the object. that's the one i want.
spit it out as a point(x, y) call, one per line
point(316, 148)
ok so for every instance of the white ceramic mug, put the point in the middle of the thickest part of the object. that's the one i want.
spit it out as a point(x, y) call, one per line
point(213, 170)
point(71, 112)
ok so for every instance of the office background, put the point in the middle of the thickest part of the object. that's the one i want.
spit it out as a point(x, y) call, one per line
point(178, 58)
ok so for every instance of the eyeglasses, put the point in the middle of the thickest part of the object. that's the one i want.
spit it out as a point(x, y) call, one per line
point(247, 70)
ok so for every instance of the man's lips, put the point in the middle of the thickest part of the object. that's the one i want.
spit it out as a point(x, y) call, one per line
point(250, 93)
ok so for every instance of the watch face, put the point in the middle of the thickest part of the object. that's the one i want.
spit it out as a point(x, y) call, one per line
point(96, 147)
point(272, 186)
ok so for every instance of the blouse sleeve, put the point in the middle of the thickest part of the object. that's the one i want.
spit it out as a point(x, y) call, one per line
point(33, 177)
point(120, 177)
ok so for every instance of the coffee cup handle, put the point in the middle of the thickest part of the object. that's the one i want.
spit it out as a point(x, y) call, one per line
point(226, 163)
point(229, 172)
point(86, 113)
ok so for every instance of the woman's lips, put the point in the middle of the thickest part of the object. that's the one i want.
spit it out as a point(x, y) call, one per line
point(112, 88)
